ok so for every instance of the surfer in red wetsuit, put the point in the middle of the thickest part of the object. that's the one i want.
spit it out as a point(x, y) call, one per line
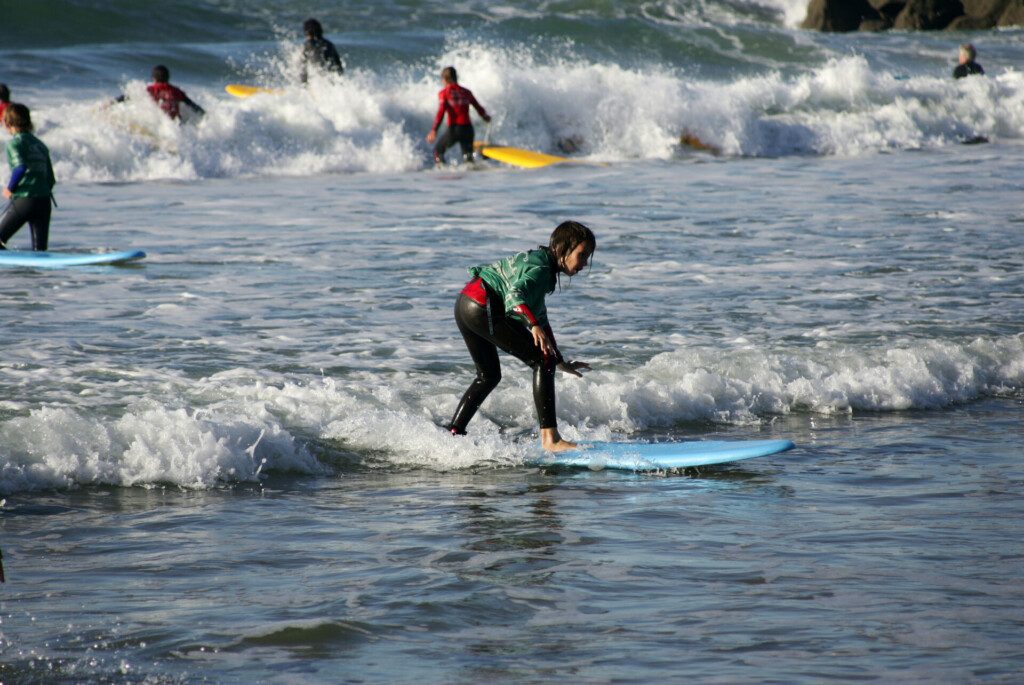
point(455, 101)
point(168, 97)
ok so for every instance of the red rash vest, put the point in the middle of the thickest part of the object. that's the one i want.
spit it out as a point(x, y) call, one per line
point(455, 100)
point(168, 97)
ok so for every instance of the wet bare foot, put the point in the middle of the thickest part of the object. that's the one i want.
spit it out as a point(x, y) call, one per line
point(552, 441)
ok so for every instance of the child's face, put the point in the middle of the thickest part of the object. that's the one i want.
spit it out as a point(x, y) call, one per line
point(576, 260)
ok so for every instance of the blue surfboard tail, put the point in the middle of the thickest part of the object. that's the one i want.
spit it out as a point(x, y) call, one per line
point(640, 456)
point(60, 260)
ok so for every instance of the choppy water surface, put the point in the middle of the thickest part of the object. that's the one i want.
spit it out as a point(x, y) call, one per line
point(273, 379)
point(222, 464)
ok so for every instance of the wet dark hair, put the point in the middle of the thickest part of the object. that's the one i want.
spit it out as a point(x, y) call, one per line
point(567, 236)
point(161, 74)
point(17, 117)
point(449, 74)
point(311, 27)
point(5, 93)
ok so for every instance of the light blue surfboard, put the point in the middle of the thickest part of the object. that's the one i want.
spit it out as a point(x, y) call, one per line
point(641, 456)
point(58, 260)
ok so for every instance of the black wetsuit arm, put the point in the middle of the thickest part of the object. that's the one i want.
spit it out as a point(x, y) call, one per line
point(559, 359)
point(194, 106)
point(334, 59)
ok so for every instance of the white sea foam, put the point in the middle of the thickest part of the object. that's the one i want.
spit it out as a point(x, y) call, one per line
point(793, 11)
point(245, 423)
point(370, 122)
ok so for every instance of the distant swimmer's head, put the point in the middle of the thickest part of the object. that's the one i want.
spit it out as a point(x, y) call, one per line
point(313, 29)
point(161, 74)
point(967, 53)
point(5, 93)
point(572, 245)
point(449, 75)
point(18, 118)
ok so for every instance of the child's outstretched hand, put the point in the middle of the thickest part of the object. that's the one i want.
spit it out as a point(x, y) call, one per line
point(574, 367)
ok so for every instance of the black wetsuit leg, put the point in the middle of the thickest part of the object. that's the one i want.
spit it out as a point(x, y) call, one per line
point(465, 138)
point(33, 210)
point(463, 135)
point(485, 329)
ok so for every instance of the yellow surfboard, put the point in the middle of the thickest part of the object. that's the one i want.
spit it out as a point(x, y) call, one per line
point(242, 91)
point(527, 159)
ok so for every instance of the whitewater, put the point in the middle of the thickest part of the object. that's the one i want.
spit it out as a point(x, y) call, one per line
point(224, 463)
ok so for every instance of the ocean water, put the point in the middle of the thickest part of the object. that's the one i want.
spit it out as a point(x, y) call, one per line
point(222, 464)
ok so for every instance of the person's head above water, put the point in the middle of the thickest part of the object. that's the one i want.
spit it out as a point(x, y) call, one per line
point(967, 53)
point(5, 93)
point(17, 118)
point(161, 74)
point(572, 245)
point(313, 29)
point(449, 75)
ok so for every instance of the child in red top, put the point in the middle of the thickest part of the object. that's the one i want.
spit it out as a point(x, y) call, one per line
point(170, 98)
point(455, 101)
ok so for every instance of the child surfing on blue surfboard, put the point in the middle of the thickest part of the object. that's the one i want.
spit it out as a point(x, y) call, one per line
point(503, 307)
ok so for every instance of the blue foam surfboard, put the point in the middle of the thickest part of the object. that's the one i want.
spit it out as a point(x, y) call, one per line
point(640, 456)
point(57, 260)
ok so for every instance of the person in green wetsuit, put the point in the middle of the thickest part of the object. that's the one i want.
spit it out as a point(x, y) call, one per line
point(30, 188)
point(503, 307)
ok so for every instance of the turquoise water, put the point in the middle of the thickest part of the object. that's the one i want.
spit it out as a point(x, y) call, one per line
point(222, 464)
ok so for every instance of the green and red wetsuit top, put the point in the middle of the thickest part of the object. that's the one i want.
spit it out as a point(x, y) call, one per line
point(521, 281)
point(31, 168)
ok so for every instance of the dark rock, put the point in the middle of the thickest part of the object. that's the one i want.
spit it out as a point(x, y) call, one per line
point(979, 14)
point(889, 9)
point(924, 15)
point(912, 15)
point(966, 23)
point(985, 9)
point(838, 15)
point(875, 25)
point(1013, 15)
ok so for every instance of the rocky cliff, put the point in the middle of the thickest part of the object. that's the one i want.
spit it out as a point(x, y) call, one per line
point(912, 15)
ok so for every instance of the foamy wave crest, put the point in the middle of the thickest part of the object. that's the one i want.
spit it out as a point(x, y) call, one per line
point(608, 112)
point(250, 423)
point(848, 108)
point(61, 448)
point(335, 126)
point(747, 385)
point(793, 11)
point(369, 122)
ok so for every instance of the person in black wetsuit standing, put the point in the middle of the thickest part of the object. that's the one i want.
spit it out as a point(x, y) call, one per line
point(967, 66)
point(318, 52)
